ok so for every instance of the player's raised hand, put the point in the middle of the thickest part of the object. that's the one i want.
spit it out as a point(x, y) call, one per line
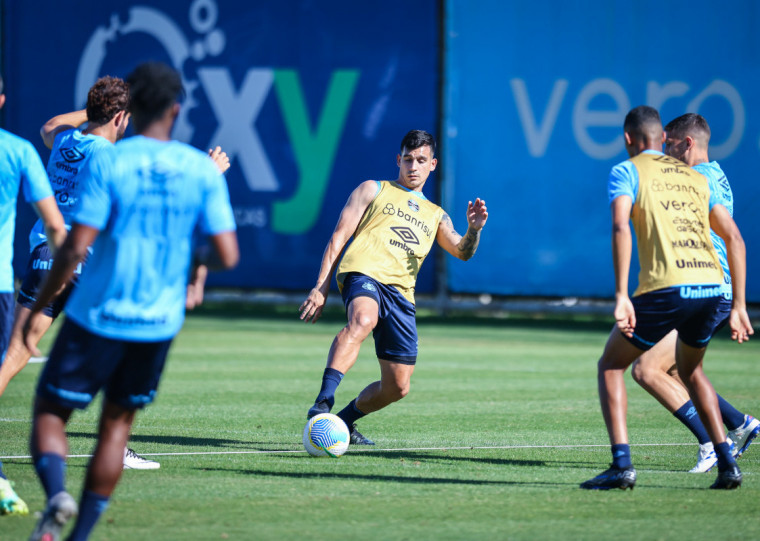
point(311, 308)
point(741, 327)
point(625, 316)
point(477, 214)
point(220, 158)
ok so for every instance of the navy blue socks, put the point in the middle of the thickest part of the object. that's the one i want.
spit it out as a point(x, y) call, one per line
point(350, 414)
point(331, 378)
point(732, 417)
point(725, 459)
point(51, 469)
point(90, 509)
point(688, 415)
point(621, 456)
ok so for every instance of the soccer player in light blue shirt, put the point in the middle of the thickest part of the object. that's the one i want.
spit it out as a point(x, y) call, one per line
point(687, 139)
point(107, 118)
point(141, 203)
point(20, 167)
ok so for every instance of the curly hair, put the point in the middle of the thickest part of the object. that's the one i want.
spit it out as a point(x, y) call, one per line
point(108, 96)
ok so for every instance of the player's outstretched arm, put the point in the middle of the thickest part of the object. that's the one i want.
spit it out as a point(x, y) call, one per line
point(350, 216)
point(723, 224)
point(220, 159)
point(622, 244)
point(61, 123)
point(71, 253)
point(463, 247)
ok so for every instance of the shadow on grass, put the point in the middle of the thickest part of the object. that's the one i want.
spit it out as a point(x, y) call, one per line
point(184, 441)
point(388, 478)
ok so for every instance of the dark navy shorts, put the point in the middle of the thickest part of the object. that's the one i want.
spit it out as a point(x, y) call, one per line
point(82, 363)
point(694, 311)
point(40, 261)
point(6, 322)
point(396, 331)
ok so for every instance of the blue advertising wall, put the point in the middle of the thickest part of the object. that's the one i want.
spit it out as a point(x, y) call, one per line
point(308, 98)
point(535, 97)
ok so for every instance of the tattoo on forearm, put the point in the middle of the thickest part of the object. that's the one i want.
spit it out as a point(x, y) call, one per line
point(469, 243)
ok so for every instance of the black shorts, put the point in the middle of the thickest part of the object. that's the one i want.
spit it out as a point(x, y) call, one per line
point(40, 261)
point(694, 311)
point(396, 331)
point(82, 363)
point(6, 322)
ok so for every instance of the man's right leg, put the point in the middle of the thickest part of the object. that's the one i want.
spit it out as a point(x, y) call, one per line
point(689, 361)
point(49, 448)
point(105, 468)
point(18, 356)
point(362, 317)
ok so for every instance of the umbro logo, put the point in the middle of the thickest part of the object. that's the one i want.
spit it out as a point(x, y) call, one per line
point(406, 234)
point(71, 154)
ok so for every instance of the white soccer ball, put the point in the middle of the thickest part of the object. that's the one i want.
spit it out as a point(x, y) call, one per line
point(326, 435)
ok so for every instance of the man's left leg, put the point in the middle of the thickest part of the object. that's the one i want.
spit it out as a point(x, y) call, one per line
point(617, 356)
point(394, 384)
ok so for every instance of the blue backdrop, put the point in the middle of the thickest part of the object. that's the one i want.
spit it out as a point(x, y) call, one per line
point(309, 98)
point(535, 98)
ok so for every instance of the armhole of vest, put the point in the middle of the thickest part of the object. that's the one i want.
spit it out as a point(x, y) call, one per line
point(379, 188)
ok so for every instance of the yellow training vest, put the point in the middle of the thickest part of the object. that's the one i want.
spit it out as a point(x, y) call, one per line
point(671, 217)
point(393, 238)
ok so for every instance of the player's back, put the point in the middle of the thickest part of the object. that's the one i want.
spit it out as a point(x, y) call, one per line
point(146, 196)
point(671, 219)
point(69, 156)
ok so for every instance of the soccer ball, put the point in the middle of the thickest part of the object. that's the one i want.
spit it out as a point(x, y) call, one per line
point(326, 435)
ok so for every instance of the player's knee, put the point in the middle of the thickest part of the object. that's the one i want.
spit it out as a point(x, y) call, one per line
point(396, 391)
point(362, 324)
point(638, 372)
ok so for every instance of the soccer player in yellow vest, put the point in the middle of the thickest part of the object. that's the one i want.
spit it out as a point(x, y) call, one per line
point(687, 139)
point(393, 226)
point(672, 211)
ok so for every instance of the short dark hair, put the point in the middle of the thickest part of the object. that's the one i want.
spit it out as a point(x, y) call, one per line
point(2, 85)
point(107, 97)
point(691, 124)
point(416, 139)
point(154, 88)
point(643, 121)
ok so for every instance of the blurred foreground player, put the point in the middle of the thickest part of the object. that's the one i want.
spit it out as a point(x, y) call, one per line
point(20, 166)
point(107, 118)
point(679, 287)
point(393, 226)
point(142, 200)
point(687, 139)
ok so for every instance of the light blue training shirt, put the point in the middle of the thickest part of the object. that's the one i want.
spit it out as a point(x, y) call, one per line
point(146, 197)
point(69, 156)
point(719, 185)
point(19, 165)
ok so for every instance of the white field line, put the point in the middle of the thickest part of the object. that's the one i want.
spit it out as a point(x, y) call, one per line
point(399, 450)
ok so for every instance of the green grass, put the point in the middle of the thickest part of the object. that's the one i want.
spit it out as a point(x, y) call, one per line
point(241, 380)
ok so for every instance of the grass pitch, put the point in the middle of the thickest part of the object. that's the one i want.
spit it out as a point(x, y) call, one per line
point(500, 427)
